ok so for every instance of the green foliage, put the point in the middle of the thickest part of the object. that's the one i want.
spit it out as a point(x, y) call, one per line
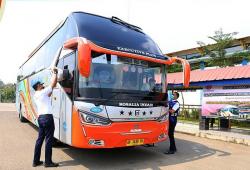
point(195, 113)
point(217, 50)
point(221, 62)
point(241, 55)
point(190, 114)
point(195, 66)
point(231, 60)
point(174, 68)
point(238, 124)
point(7, 93)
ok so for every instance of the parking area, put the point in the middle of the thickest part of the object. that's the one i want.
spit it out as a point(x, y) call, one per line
point(17, 144)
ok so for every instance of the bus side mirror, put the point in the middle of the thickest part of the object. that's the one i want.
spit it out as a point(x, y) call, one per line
point(84, 54)
point(186, 69)
point(63, 75)
point(66, 74)
point(59, 75)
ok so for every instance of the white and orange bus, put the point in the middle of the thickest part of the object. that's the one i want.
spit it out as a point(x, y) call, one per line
point(113, 92)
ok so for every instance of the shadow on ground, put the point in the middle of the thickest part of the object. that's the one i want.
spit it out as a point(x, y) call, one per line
point(137, 157)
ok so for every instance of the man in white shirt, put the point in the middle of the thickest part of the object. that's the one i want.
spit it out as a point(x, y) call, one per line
point(45, 121)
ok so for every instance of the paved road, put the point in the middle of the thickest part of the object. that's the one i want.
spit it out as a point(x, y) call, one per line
point(17, 144)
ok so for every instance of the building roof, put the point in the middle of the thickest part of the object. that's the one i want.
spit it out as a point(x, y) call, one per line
point(212, 75)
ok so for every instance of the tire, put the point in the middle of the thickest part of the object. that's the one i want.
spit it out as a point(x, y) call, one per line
point(20, 115)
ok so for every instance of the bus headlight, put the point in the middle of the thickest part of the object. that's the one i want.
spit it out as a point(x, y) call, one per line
point(92, 119)
point(163, 118)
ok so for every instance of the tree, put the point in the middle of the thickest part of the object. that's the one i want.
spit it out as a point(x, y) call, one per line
point(217, 51)
point(7, 93)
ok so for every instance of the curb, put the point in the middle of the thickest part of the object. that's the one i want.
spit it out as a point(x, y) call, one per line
point(208, 135)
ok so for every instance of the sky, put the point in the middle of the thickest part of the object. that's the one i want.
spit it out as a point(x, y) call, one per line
point(173, 24)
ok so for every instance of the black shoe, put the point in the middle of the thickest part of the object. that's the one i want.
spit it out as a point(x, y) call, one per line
point(52, 164)
point(37, 163)
point(169, 152)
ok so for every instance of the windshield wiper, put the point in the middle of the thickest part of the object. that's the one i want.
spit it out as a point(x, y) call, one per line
point(115, 94)
point(119, 21)
point(136, 94)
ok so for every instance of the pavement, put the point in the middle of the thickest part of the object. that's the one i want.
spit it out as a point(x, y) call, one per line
point(194, 153)
point(188, 128)
point(7, 107)
point(226, 136)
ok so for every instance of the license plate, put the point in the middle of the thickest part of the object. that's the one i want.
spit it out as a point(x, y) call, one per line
point(135, 142)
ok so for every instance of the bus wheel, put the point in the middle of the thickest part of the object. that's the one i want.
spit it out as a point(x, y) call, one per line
point(21, 118)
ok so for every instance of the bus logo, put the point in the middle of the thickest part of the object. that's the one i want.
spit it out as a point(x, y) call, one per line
point(96, 109)
point(135, 129)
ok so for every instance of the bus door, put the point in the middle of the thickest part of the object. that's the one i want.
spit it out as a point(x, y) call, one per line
point(56, 107)
point(64, 93)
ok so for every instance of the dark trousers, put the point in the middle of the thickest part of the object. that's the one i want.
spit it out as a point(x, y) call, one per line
point(172, 124)
point(46, 131)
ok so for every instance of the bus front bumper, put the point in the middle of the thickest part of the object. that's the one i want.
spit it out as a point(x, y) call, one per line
point(124, 134)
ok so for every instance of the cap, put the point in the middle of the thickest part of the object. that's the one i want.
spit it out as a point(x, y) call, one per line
point(36, 84)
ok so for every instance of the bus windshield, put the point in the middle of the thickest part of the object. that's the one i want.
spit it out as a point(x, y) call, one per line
point(120, 78)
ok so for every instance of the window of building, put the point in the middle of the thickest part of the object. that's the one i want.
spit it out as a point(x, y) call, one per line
point(233, 49)
point(193, 56)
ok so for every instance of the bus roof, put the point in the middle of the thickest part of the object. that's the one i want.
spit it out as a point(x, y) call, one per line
point(111, 33)
point(115, 34)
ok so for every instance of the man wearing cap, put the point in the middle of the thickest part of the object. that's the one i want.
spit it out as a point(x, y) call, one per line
point(45, 121)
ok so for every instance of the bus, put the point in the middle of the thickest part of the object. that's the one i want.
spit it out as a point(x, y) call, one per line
point(113, 84)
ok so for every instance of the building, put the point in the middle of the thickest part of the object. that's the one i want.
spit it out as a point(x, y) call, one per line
point(215, 88)
point(193, 55)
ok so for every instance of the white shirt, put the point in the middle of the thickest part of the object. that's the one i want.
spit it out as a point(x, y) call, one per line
point(176, 106)
point(43, 101)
